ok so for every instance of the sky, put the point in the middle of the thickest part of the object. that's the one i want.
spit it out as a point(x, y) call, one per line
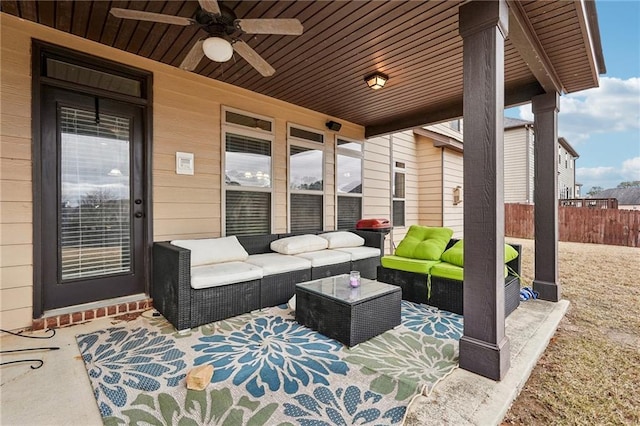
point(603, 124)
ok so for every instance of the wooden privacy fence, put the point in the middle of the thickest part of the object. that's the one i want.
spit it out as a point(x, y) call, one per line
point(581, 225)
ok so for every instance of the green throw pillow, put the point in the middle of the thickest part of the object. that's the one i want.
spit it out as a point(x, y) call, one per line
point(455, 254)
point(423, 242)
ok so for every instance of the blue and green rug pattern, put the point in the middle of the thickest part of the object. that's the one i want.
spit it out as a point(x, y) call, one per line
point(268, 370)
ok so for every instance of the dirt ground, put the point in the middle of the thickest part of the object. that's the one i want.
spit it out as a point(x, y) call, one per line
point(590, 372)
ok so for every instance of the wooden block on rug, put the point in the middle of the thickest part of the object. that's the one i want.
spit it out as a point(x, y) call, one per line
point(199, 377)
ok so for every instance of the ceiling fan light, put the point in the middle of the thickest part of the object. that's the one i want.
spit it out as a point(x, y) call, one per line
point(217, 49)
point(376, 81)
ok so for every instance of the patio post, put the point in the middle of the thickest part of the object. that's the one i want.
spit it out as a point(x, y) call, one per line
point(484, 347)
point(545, 126)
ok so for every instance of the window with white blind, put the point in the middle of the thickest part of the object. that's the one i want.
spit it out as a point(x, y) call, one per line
point(348, 183)
point(95, 228)
point(306, 179)
point(248, 172)
point(399, 194)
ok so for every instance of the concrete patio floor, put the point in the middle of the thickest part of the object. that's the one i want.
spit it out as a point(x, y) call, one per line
point(59, 393)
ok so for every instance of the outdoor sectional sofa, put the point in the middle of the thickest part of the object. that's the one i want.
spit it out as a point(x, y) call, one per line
point(432, 279)
point(199, 281)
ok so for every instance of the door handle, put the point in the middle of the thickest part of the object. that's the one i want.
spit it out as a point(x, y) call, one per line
point(138, 214)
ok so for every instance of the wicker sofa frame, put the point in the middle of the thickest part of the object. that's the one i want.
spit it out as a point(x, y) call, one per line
point(186, 307)
point(447, 294)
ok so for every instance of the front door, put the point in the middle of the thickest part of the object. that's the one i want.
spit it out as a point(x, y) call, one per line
point(92, 156)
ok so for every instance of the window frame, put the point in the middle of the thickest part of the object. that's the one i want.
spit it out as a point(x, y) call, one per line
point(309, 144)
point(237, 129)
point(399, 168)
point(348, 153)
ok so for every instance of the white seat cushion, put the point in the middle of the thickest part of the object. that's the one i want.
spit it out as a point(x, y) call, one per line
point(359, 253)
point(326, 257)
point(299, 244)
point(276, 263)
point(339, 239)
point(213, 250)
point(218, 274)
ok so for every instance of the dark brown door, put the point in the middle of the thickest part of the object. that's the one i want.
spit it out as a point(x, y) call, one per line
point(92, 198)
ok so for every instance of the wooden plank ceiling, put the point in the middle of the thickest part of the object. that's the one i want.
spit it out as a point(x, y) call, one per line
point(416, 43)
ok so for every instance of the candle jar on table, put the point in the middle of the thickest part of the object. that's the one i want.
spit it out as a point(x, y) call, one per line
point(354, 279)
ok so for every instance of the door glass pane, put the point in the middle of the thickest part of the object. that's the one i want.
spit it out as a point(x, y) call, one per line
point(94, 219)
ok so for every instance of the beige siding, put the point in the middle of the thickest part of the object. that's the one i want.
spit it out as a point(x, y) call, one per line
point(452, 176)
point(186, 117)
point(403, 150)
point(376, 190)
point(329, 184)
point(515, 166)
point(430, 175)
point(16, 267)
point(446, 130)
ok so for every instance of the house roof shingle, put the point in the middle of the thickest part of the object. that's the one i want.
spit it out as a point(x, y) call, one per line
point(625, 196)
point(511, 123)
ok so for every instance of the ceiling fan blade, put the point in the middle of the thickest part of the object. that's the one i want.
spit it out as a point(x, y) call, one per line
point(253, 58)
point(150, 16)
point(193, 58)
point(210, 6)
point(271, 26)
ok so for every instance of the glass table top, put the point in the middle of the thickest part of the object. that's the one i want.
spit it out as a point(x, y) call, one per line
point(338, 287)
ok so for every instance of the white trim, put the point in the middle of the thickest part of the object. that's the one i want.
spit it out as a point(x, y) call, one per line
point(254, 133)
point(248, 114)
point(347, 153)
point(317, 146)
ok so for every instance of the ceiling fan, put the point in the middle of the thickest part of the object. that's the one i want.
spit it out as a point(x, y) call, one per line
point(224, 30)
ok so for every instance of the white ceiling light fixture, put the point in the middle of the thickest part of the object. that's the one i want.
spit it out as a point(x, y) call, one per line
point(217, 49)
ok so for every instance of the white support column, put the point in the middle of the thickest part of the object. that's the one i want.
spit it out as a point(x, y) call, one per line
point(484, 347)
point(545, 126)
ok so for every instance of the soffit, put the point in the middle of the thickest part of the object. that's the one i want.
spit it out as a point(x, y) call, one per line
point(416, 43)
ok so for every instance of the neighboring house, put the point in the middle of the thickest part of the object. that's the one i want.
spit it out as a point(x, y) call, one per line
point(519, 141)
point(628, 198)
point(567, 157)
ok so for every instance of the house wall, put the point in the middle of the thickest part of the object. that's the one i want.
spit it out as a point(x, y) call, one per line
point(518, 165)
point(430, 172)
point(186, 117)
point(376, 192)
point(452, 176)
point(566, 174)
point(403, 149)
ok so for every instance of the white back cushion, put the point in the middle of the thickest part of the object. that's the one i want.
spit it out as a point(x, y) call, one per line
point(299, 244)
point(207, 251)
point(340, 239)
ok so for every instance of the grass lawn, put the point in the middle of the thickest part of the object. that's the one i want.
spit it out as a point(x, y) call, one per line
point(590, 372)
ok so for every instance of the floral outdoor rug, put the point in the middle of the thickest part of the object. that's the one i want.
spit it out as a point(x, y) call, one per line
point(268, 370)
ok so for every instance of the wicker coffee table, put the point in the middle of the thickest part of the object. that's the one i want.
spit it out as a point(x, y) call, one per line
point(349, 315)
